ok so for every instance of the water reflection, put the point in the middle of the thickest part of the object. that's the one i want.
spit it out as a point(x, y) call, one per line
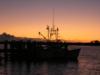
point(88, 64)
point(38, 68)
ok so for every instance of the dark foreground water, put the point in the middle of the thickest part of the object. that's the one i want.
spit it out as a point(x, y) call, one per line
point(88, 64)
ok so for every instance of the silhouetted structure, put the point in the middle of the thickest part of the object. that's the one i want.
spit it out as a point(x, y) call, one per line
point(50, 49)
point(32, 50)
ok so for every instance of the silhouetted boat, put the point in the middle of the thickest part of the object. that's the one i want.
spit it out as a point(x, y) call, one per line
point(50, 49)
point(40, 50)
point(32, 50)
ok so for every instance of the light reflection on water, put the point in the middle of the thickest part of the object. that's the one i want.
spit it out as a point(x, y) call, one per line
point(88, 64)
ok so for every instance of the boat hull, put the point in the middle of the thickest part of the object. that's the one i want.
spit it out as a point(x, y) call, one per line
point(39, 51)
point(42, 55)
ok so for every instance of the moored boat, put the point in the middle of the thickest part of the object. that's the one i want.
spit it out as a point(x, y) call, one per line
point(52, 48)
point(32, 50)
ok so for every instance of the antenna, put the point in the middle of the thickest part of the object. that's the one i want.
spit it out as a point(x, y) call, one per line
point(53, 18)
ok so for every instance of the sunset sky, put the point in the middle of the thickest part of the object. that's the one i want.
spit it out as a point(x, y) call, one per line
point(78, 20)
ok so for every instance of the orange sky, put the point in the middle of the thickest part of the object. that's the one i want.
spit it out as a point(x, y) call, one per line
point(77, 20)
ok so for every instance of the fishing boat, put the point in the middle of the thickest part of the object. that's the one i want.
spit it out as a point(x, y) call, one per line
point(51, 48)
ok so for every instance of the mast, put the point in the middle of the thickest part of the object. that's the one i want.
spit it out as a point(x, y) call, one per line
point(53, 19)
point(48, 34)
point(53, 30)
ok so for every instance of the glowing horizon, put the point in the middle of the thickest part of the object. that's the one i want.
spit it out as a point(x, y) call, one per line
point(77, 20)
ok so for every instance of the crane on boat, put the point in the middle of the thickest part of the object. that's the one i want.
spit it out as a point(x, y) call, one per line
point(42, 35)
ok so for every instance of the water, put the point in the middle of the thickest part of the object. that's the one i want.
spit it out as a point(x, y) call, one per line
point(88, 64)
